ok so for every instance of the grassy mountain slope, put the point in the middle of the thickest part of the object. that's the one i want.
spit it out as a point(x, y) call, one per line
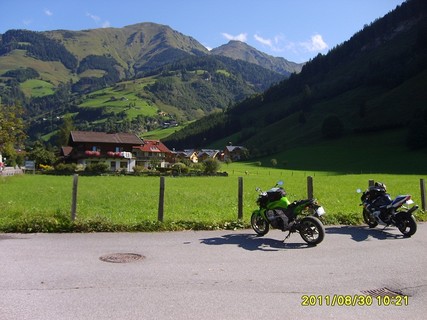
point(108, 78)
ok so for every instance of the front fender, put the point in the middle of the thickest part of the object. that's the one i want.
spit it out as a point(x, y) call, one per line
point(259, 212)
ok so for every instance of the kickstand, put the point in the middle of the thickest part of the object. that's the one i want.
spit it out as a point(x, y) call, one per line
point(385, 227)
point(289, 234)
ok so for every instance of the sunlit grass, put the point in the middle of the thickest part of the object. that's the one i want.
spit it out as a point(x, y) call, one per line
point(128, 201)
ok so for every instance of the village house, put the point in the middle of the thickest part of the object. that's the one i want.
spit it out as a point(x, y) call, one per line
point(185, 155)
point(115, 149)
point(204, 154)
point(234, 153)
point(152, 153)
point(124, 151)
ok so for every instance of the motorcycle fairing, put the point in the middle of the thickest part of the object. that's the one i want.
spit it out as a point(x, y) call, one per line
point(400, 200)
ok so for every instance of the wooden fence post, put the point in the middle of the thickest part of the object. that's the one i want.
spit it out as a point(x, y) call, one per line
point(161, 199)
point(74, 197)
point(310, 189)
point(423, 194)
point(371, 183)
point(240, 199)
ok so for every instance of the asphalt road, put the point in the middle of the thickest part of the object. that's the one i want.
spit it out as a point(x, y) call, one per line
point(214, 275)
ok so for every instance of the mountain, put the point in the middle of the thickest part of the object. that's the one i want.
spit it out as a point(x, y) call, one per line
point(242, 51)
point(126, 78)
point(365, 95)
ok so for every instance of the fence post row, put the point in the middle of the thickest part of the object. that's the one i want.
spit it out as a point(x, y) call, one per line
point(310, 195)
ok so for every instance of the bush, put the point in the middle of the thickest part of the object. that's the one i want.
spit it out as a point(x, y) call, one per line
point(179, 168)
point(138, 170)
point(97, 167)
point(211, 166)
point(66, 167)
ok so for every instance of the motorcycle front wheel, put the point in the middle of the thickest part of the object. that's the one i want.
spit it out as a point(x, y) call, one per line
point(407, 226)
point(260, 226)
point(369, 219)
point(311, 230)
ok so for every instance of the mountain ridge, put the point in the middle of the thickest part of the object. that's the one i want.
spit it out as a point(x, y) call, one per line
point(50, 63)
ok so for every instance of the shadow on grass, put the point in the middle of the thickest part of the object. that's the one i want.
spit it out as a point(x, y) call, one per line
point(253, 242)
point(362, 233)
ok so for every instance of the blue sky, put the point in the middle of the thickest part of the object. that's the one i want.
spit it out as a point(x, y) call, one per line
point(294, 29)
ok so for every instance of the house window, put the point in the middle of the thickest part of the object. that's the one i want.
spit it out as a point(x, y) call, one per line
point(123, 165)
point(113, 165)
point(118, 149)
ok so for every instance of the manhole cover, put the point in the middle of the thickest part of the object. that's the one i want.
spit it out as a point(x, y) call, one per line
point(382, 292)
point(121, 257)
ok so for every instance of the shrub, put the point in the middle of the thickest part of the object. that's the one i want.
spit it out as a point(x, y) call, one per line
point(97, 167)
point(66, 167)
point(179, 168)
point(138, 170)
point(211, 166)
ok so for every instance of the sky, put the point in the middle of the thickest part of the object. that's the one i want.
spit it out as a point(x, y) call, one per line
point(297, 30)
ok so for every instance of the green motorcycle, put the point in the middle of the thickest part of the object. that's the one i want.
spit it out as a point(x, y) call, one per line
point(276, 211)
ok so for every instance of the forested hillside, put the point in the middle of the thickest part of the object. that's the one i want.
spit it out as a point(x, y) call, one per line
point(374, 82)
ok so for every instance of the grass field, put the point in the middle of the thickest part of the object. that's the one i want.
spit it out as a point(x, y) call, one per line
point(42, 203)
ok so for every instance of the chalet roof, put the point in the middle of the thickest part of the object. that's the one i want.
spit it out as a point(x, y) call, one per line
point(66, 151)
point(208, 152)
point(103, 137)
point(185, 153)
point(153, 146)
point(232, 148)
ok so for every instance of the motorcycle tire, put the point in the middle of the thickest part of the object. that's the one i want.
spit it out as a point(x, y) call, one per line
point(311, 230)
point(369, 219)
point(407, 226)
point(258, 223)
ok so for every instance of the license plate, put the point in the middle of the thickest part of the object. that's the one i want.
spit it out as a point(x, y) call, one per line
point(320, 211)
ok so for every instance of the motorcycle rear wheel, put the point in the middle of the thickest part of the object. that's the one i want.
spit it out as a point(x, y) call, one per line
point(369, 219)
point(311, 230)
point(407, 226)
point(258, 223)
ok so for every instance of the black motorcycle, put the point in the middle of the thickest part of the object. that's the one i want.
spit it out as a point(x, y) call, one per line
point(380, 208)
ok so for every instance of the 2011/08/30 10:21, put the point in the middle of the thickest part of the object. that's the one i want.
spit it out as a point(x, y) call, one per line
point(354, 300)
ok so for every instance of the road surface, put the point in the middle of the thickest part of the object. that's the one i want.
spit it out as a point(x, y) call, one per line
point(214, 275)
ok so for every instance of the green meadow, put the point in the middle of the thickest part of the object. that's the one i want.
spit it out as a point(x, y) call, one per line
point(42, 203)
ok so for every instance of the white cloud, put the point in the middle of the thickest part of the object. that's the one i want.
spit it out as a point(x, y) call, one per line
point(48, 12)
point(316, 43)
point(240, 37)
point(93, 17)
point(267, 42)
point(280, 45)
point(97, 20)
